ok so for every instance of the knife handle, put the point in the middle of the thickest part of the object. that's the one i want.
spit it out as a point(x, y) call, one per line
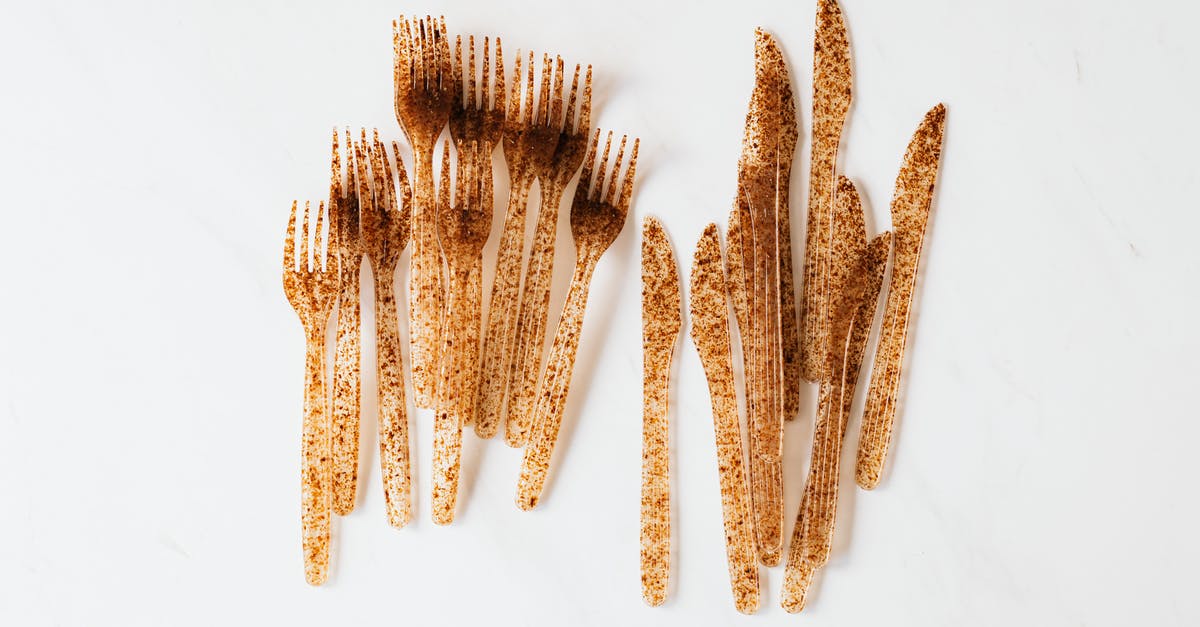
point(656, 491)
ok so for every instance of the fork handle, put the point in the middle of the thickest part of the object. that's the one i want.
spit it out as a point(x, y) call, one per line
point(552, 392)
point(393, 408)
point(426, 283)
point(450, 416)
point(531, 321)
point(502, 313)
point(315, 470)
point(347, 391)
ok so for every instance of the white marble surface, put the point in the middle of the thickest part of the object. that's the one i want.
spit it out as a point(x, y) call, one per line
point(150, 368)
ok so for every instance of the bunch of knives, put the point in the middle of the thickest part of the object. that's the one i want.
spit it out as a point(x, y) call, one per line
point(822, 339)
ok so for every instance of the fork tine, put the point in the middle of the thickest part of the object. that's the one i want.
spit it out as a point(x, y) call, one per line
point(365, 202)
point(485, 88)
point(568, 125)
point(582, 191)
point(289, 243)
point(421, 60)
point(585, 111)
point(335, 173)
point(598, 192)
point(443, 53)
point(401, 67)
point(556, 104)
point(543, 111)
point(513, 112)
point(627, 185)
point(319, 251)
point(304, 264)
point(612, 183)
point(405, 194)
point(485, 185)
point(498, 89)
point(377, 174)
point(529, 91)
point(471, 99)
point(457, 91)
point(444, 192)
point(460, 184)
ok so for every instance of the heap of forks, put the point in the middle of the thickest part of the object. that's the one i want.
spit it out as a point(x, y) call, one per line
point(467, 373)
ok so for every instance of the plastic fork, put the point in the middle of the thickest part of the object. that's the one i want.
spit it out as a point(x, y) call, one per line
point(312, 287)
point(597, 215)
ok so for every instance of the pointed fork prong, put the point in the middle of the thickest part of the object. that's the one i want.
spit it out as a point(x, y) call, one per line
point(498, 92)
point(289, 242)
point(459, 70)
point(305, 265)
point(320, 260)
point(442, 55)
point(583, 191)
point(568, 125)
point(471, 100)
point(556, 101)
point(544, 95)
point(444, 191)
point(405, 191)
point(612, 184)
point(478, 173)
point(485, 175)
point(512, 113)
point(378, 158)
point(365, 200)
point(598, 192)
point(529, 92)
point(585, 110)
point(335, 171)
point(627, 184)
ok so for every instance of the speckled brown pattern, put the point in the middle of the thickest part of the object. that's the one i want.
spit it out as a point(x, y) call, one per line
point(789, 136)
point(311, 288)
point(758, 175)
point(855, 279)
point(710, 333)
point(529, 140)
point(347, 389)
point(911, 203)
point(464, 225)
point(477, 114)
point(831, 102)
point(386, 228)
point(661, 323)
point(423, 97)
point(735, 273)
point(597, 215)
point(535, 297)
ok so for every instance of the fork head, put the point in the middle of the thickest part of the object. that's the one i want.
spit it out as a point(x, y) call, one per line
point(477, 112)
point(530, 132)
point(344, 207)
point(465, 224)
point(422, 76)
point(572, 135)
point(599, 209)
point(311, 284)
point(386, 222)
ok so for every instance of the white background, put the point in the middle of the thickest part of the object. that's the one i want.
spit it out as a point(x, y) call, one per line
point(151, 369)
